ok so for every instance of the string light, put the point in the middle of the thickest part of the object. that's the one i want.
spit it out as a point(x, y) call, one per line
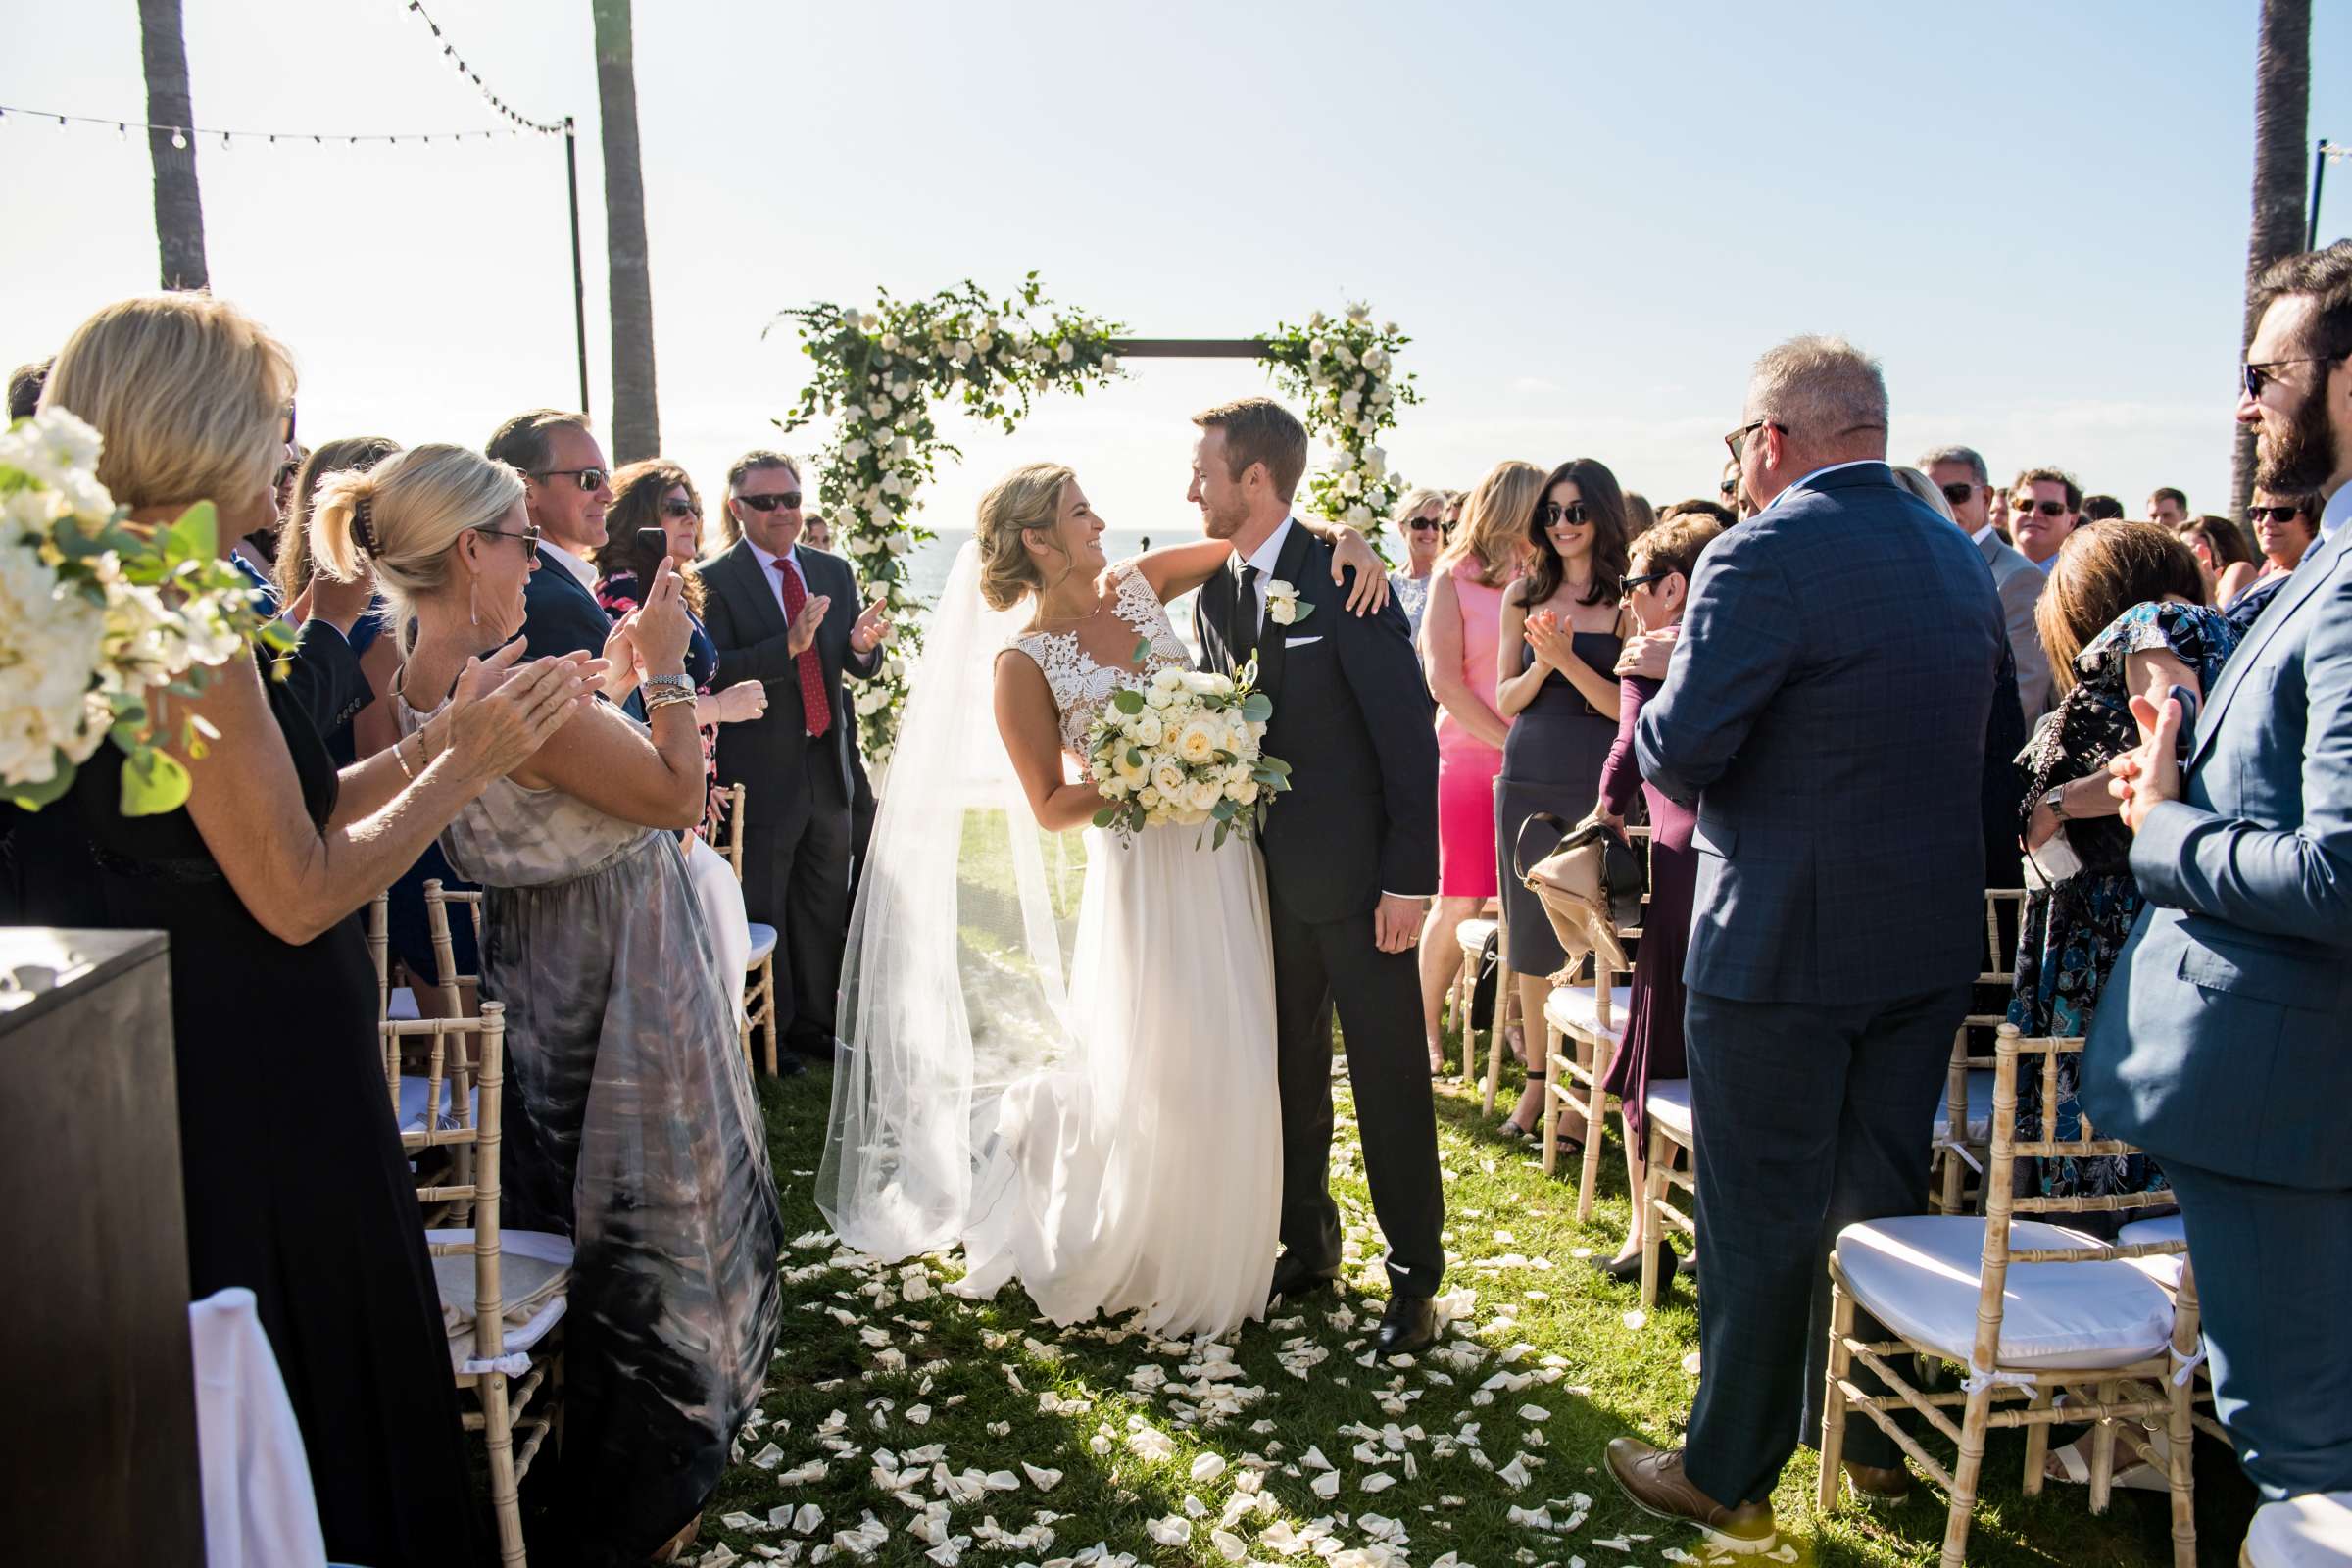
point(449, 52)
point(182, 134)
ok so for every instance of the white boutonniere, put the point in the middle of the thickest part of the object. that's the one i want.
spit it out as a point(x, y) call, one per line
point(1282, 608)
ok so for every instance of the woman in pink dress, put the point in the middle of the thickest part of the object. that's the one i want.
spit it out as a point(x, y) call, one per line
point(1461, 634)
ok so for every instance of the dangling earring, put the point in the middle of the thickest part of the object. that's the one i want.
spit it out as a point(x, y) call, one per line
point(474, 603)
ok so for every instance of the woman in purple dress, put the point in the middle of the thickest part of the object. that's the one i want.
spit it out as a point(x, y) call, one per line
point(1656, 585)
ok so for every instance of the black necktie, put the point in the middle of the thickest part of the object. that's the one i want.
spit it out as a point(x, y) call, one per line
point(1246, 619)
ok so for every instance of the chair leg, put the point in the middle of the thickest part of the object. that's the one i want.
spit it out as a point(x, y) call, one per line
point(2102, 1456)
point(498, 1437)
point(2180, 1435)
point(1833, 1405)
point(1653, 1197)
point(1498, 1034)
point(1553, 1066)
point(1597, 1121)
point(767, 1009)
point(1469, 1031)
point(1965, 1473)
point(2037, 1441)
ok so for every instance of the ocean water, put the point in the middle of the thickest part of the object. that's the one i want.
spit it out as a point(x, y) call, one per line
point(928, 568)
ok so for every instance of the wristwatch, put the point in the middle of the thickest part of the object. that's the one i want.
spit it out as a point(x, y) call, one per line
point(679, 683)
point(2056, 802)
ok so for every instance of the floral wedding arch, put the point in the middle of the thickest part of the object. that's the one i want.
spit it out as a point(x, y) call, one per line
point(886, 373)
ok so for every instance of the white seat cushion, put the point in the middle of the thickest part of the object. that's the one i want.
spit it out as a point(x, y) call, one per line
point(1980, 1110)
point(534, 1272)
point(402, 1005)
point(1473, 933)
point(1668, 1103)
point(412, 1089)
point(2312, 1531)
point(764, 942)
point(2165, 1268)
point(1572, 1010)
point(1918, 1275)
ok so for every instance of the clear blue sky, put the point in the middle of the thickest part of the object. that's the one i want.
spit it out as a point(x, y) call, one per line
point(1591, 217)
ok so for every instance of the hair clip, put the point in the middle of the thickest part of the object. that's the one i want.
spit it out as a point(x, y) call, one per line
point(363, 526)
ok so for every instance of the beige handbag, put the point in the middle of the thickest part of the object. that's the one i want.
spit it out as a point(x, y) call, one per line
point(1590, 885)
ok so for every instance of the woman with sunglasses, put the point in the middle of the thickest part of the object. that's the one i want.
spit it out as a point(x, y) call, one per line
point(1421, 517)
point(632, 1128)
point(2285, 526)
point(1562, 629)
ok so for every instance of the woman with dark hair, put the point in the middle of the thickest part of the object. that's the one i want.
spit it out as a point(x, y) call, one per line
point(1562, 628)
point(371, 730)
point(2218, 546)
point(2125, 607)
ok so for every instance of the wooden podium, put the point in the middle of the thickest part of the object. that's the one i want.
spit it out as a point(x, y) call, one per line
point(98, 1458)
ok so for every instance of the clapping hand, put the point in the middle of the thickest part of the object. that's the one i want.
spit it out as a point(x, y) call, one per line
point(2148, 775)
point(744, 701)
point(873, 630)
point(802, 634)
point(1553, 644)
point(1647, 653)
point(1371, 591)
point(502, 712)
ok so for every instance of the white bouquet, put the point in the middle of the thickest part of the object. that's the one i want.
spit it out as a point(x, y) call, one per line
point(95, 613)
point(1185, 748)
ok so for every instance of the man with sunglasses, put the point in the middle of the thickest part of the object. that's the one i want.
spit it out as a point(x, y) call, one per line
point(2222, 1042)
point(2044, 505)
point(566, 488)
point(1826, 709)
point(1960, 473)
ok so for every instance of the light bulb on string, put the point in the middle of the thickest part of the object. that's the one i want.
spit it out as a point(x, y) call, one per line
point(179, 138)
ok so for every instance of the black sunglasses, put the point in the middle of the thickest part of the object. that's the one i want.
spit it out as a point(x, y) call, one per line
point(588, 479)
point(1430, 525)
point(1627, 586)
point(2272, 513)
point(1553, 511)
point(1959, 495)
point(530, 535)
point(2262, 374)
point(1727, 488)
point(1738, 438)
point(680, 509)
point(2048, 508)
point(790, 500)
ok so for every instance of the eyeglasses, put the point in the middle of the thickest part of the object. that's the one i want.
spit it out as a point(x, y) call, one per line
point(2048, 508)
point(1959, 495)
point(530, 535)
point(588, 479)
point(1431, 525)
point(2272, 513)
point(680, 509)
point(1553, 511)
point(790, 500)
point(2263, 373)
point(1738, 438)
point(1645, 580)
point(1728, 489)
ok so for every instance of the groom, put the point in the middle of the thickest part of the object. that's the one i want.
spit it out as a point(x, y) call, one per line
point(1351, 855)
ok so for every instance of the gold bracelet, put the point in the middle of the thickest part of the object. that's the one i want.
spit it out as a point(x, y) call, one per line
point(403, 761)
point(665, 699)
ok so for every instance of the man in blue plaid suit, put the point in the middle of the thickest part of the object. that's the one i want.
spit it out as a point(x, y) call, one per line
point(1825, 707)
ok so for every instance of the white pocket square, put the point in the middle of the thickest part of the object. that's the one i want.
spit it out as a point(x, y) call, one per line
point(1300, 642)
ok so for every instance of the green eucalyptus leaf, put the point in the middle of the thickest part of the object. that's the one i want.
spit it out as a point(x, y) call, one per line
point(33, 797)
point(1257, 708)
point(153, 782)
point(1127, 700)
point(1105, 817)
point(196, 535)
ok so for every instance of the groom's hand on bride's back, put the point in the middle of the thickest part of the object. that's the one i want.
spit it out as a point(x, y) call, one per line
point(1396, 924)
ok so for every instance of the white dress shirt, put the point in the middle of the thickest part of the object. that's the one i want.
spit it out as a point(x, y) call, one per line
point(1263, 559)
point(775, 582)
point(582, 572)
point(2336, 513)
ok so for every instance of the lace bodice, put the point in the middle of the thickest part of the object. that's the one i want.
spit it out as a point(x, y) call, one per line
point(1081, 686)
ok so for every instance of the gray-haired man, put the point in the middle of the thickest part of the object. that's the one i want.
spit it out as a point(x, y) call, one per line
point(1960, 473)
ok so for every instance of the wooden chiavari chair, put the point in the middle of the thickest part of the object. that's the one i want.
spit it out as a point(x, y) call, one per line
point(758, 1010)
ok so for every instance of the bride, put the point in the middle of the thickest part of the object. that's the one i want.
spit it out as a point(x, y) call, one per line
point(1105, 1130)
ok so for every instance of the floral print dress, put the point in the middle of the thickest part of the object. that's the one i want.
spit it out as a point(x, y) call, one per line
point(2071, 932)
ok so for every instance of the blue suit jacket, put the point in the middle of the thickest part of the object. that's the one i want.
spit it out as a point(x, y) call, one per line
point(559, 616)
point(2222, 1039)
point(1826, 709)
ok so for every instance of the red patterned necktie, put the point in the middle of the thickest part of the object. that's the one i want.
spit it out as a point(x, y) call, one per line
point(812, 670)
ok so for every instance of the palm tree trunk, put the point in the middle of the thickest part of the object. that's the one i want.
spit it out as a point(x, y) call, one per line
point(179, 211)
point(636, 423)
point(2282, 111)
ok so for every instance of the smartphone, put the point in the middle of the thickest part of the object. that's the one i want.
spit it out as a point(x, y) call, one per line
point(658, 541)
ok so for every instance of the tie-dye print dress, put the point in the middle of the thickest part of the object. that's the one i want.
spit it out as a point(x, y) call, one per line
point(632, 1128)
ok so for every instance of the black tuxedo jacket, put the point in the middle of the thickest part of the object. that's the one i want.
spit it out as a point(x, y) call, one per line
point(1356, 722)
point(745, 623)
point(559, 616)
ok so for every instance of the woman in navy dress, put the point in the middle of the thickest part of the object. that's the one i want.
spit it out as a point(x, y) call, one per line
point(1561, 632)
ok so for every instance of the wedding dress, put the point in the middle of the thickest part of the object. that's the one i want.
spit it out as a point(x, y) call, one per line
point(1113, 1144)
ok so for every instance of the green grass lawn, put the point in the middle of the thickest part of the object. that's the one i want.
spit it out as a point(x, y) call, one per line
point(904, 1426)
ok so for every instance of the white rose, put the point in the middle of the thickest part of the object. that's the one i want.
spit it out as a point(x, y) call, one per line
point(1148, 798)
point(1169, 779)
point(1147, 728)
point(1352, 484)
point(1200, 740)
point(1375, 358)
point(1244, 792)
point(852, 449)
point(1159, 697)
point(1317, 348)
point(1342, 461)
point(960, 353)
point(868, 321)
point(903, 447)
point(1346, 356)
point(1376, 462)
point(1350, 400)
point(1359, 312)
point(1064, 352)
point(890, 341)
point(1119, 789)
point(890, 483)
point(1203, 793)
point(898, 543)
point(1169, 681)
point(877, 410)
point(1128, 766)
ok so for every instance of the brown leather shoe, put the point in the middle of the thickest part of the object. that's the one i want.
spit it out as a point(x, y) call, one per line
point(1653, 1479)
point(1874, 1484)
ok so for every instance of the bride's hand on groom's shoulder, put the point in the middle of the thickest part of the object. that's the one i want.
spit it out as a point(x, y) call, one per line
point(1371, 591)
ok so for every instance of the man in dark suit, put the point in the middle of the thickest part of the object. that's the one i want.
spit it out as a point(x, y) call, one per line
point(2223, 1042)
point(1825, 709)
point(566, 488)
point(787, 615)
point(1352, 856)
